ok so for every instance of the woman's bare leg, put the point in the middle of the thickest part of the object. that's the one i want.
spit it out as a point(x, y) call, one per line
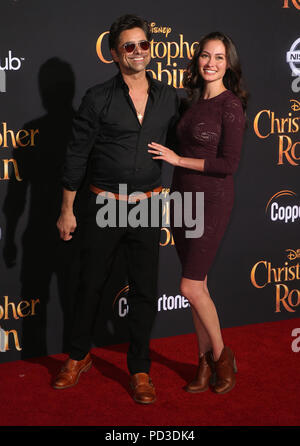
point(205, 316)
point(204, 344)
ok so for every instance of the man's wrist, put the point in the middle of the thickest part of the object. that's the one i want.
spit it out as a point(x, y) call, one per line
point(66, 210)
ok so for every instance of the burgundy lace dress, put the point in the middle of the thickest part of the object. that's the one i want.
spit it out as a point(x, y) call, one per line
point(211, 129)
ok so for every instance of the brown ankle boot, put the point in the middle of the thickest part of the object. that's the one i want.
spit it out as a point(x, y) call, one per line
point(203, 376)
point(225, 368)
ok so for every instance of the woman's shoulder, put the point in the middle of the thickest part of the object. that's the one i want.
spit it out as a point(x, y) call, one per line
point(230, 98)
point(232, 103)
point(232, 109)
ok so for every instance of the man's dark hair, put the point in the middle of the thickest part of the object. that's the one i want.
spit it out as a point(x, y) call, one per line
point(123, 23)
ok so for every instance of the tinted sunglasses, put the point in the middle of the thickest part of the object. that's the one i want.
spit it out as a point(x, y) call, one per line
point(130, 47)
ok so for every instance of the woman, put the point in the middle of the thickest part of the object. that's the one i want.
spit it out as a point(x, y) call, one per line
point(210, 135)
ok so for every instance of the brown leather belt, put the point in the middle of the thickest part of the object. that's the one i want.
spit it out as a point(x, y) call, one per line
point(134, 197)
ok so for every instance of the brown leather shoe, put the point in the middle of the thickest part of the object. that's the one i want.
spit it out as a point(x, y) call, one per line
point(203, 376)
point(71, 371)
point(225, 369)
point(143, 390)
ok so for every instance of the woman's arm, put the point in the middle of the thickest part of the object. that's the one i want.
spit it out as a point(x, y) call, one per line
point(168, 155)
point(232, 137)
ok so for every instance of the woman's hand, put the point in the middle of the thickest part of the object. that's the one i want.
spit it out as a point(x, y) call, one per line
point(163, 153)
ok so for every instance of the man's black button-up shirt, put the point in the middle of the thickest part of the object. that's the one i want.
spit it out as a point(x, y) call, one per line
point(108, 134)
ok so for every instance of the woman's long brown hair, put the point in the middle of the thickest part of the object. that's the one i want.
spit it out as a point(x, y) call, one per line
point(233, 80)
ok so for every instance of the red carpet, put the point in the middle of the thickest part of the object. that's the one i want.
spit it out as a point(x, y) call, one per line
point(267, 392)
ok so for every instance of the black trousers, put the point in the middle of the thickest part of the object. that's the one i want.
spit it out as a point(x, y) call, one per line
point(99, 247)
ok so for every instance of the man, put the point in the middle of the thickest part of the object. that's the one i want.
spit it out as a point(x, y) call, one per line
point(113, 127)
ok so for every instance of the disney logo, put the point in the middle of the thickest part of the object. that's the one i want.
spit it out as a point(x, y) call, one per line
point(295, 105)
point(292, 255)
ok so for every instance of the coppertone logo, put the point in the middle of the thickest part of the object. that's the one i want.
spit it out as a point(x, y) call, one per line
point(165, 303)
point(167, 54)
point(265, 274)
point(120, 304)
point(293, 59)
point(9, 63)
point(283, 207)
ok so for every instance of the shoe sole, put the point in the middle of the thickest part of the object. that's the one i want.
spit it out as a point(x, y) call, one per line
point(196, 391)
point(224, 391)
point(145, 403)
point(85, 369)
point(211, 382)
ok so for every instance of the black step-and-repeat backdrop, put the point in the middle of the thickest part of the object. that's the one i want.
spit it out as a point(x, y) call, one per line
point(50, 53)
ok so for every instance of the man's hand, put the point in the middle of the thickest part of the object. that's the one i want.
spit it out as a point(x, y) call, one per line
point(66, 225)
